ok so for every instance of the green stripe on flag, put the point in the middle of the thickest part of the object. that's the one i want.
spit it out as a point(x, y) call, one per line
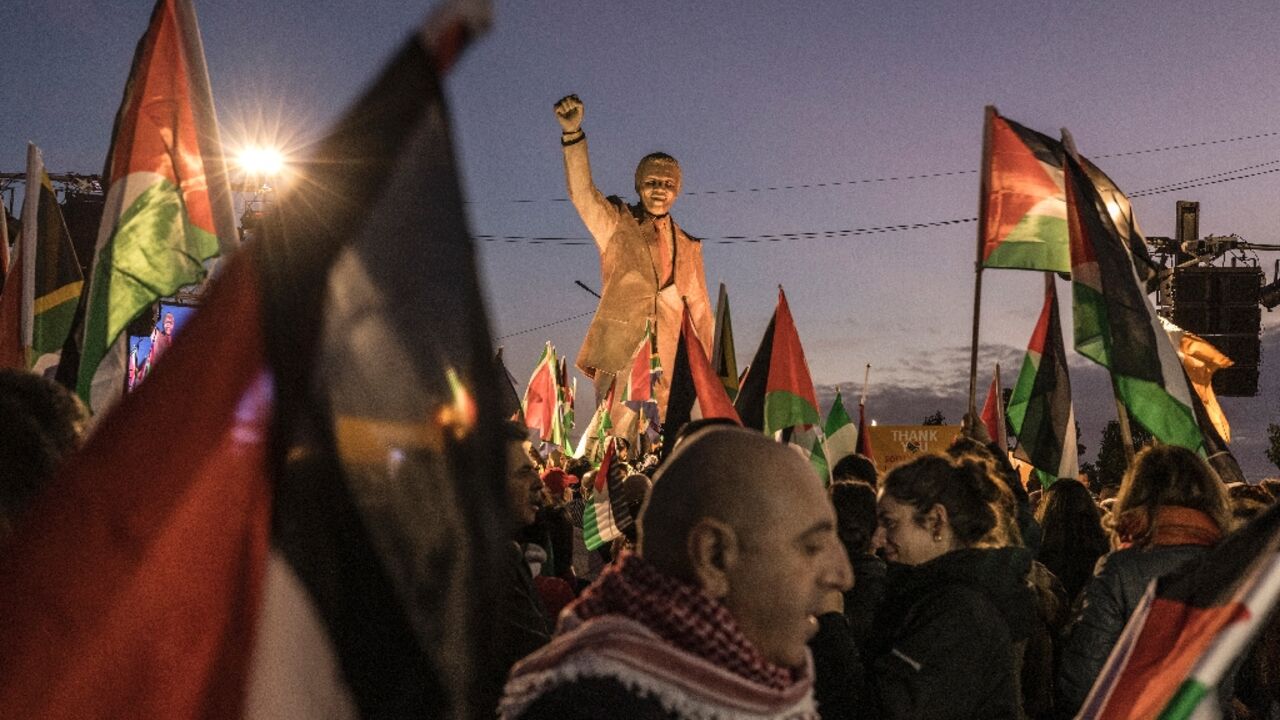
point(1185, 701)
point(1160, 413)
point(783, 409)
point(1037, 242)
point(154, 251)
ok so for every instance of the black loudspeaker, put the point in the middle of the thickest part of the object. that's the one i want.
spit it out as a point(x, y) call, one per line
point(1220, 304)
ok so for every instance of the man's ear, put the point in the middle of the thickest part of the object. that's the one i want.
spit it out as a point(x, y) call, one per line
point(713, 552)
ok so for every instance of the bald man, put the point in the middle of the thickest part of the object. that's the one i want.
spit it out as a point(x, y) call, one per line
point(709, 617)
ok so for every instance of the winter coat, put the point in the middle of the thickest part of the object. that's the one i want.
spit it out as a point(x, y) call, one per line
point(838, 676)
point(1119, 582)
point(632, 292)
point(863, 600)
point(943, 646)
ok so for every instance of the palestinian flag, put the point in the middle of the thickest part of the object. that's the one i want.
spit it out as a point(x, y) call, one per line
point(1022, 215)
point(779, 393)
point(168, 204)
point(1115, 325)
point(591, 445)
point(993, 413)
point(542, 396)
point(1190, 630)
point(637, 411)
point(723, 357)
point(51, 274)
point(606, 515)
point(256, 574)
point(1126, 224)
point(696, 391)
point(1040, 409)
point(842, 434)
point(864, 434)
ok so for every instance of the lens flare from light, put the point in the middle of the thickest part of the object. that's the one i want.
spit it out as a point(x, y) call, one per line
point(261, 161)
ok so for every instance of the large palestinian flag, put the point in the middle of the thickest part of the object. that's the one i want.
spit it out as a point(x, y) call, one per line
point(314, 529)
point(1115, 324)
point(1023, 209)
point(778, 390)
point(168, 204)
point(1191, 628)
point(1040, 409)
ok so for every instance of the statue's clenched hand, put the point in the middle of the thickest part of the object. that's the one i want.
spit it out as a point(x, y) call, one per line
point(569, 113)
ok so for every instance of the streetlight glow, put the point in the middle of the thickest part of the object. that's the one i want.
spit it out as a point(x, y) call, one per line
point(261, 161)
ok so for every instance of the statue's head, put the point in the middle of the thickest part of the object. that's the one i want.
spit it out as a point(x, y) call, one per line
point(658, 182)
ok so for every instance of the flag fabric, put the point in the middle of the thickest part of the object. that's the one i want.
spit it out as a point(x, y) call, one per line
point(168, 204)
point(542, 396)
point(993, 413)
point(1126, 224)
point(4, 245)
point(51, 273)
point(565, 394)
point(1115, 324)
point(778, 391)
point(1023, 210)
point(841, 433)
point(1200, 360)
point(696, 391)
point(637, 413)
point(606, 515)
point(1040, 409)
point(591, 445)
point(724, 359)
point(509, 398)
point(1190, 630)
point(13, 354)
point(864, 434)
point(319, 485)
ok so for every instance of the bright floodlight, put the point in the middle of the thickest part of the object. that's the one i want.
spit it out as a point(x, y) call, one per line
point(261, 161)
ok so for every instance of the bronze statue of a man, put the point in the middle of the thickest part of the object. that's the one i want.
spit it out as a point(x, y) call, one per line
point(647, 263)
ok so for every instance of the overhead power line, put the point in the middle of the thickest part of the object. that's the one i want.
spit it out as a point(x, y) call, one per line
point(928, 175)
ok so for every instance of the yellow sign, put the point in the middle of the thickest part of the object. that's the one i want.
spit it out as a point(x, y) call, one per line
point(895, 444)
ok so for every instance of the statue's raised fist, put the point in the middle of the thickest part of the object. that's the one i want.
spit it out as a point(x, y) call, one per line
point(569, 113)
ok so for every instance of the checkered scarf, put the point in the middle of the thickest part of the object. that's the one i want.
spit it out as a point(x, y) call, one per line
point(680, 614)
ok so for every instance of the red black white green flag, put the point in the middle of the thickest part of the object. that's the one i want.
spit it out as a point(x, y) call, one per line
point(778, 390)
point(1190, 630)
point(168, 204)
point(696, 390)
point(1023, 214)
point(606, 515)
point(1115, 324)
point(1040, 409)
point(993, 413)
point(272, 565)
point(542, 396)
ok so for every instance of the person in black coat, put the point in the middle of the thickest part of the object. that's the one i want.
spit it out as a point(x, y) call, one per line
point(943, 642)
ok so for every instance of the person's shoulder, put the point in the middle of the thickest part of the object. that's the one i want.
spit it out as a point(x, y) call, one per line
point(587, 698)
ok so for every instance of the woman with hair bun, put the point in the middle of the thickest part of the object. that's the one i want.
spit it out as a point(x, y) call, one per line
point(1170, 509)
point(943, 642)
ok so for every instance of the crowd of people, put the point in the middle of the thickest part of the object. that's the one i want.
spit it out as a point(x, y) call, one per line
point(748, 587)
point(942, 588)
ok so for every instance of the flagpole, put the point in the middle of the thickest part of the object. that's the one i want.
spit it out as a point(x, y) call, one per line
point(866, 377)
point(984, 187)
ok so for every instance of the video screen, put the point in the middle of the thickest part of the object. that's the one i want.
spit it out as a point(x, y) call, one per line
point(146, 350)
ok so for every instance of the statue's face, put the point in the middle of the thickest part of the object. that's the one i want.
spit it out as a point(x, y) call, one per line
point(658, 192)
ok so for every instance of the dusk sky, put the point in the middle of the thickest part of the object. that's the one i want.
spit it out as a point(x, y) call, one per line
point(749, 97)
